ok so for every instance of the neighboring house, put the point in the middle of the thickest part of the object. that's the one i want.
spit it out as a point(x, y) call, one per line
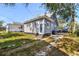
point(2, 28)
point(14, 27)
point(41, 25)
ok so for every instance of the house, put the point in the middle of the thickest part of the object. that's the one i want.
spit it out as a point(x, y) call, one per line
point(2, 28)
point(41, 25)
point(14, 27)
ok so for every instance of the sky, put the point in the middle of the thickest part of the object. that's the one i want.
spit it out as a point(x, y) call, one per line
point(20, 13)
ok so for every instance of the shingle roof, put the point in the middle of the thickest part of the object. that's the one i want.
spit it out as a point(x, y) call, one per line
point(39, 18)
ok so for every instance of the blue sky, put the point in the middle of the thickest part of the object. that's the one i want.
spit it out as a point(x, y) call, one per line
point(20, 13)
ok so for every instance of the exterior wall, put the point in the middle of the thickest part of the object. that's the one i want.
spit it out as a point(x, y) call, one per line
point(14, 28)
point(27, 28)
point(48, 27)
point(7, 29)
point(53, 26)
point(33, 27)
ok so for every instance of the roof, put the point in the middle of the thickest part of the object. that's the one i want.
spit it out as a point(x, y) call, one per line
point(15, 24)
point(39, 18)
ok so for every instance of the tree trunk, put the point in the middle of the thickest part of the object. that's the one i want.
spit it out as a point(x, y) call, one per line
point(72, 11)
point(73, 24)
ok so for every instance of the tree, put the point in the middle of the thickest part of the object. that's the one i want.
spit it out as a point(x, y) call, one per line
point(1, 23)
point(66, 11)
point(14, 4)
point(1, 26)
point(70, 11)
point(54, 7)
point(9, 4)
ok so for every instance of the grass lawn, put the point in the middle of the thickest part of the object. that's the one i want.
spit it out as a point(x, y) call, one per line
point(14, 36)
point(13, 40)
point(31, 51)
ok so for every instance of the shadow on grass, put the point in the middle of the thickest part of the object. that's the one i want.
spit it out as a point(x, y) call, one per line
point(12, 44)
point(30, 51)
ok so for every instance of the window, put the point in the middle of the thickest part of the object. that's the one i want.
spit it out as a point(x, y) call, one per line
point(20, 27)
point(47, 25)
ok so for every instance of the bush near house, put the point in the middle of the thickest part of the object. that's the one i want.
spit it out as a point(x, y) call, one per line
point(77, 32)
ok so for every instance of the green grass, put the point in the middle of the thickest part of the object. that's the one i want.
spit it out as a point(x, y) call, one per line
point(12, 40)
point(11, 34)
point(31, 50)
point(15, 43)
point(9, 45)
point(14, 36)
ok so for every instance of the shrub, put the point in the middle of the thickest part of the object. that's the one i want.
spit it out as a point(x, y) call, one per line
point(77, 32)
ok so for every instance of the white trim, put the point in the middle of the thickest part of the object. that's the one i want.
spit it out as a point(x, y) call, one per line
point(43, 26)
